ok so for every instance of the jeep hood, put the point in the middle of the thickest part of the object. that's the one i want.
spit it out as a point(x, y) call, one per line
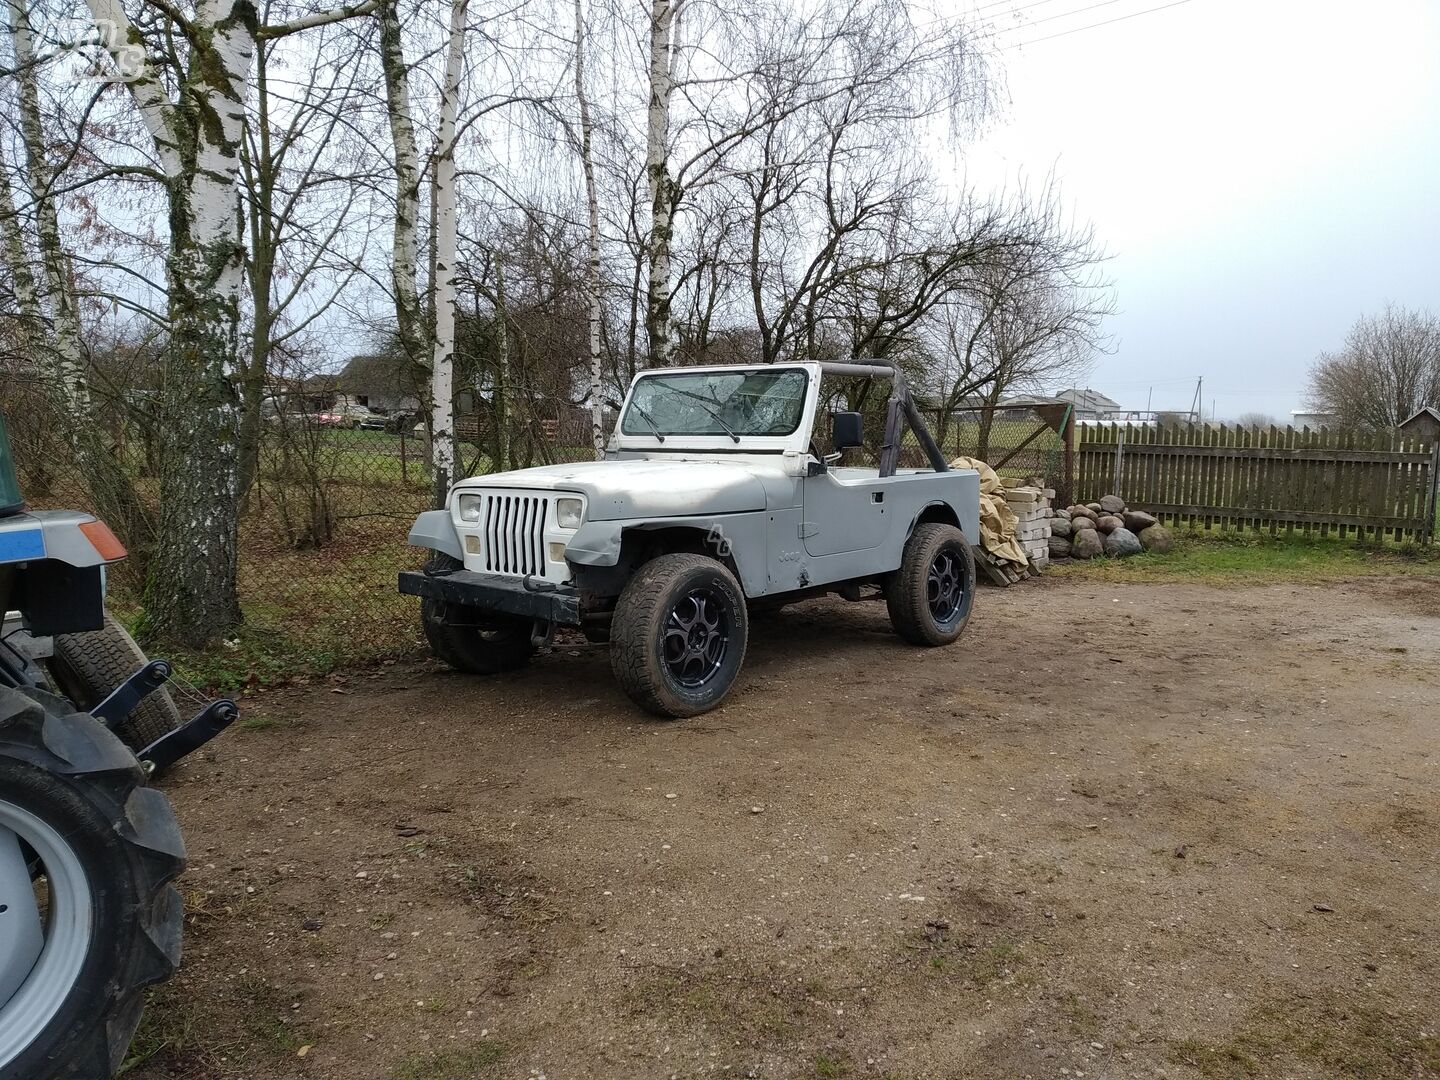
point(638, 487)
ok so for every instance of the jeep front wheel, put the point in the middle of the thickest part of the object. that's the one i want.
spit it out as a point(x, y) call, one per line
point(929, 597)
point(678, 636)
point(470, 639)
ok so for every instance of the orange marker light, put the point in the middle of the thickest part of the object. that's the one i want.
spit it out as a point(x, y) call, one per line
point(103, 540)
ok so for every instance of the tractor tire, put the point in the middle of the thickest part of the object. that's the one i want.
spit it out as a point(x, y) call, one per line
point(471, 640)
point(88, 915)
point(678, 637)
point(86, 667)
point(930, 596)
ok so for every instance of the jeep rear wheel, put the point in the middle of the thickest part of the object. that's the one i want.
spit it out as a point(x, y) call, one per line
point(679, 634)
point(471, 639)
point(930, 596)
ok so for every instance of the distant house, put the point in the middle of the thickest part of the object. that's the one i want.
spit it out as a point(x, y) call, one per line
point(1091, 406)
point(379, 382)
point(1424, 425)
point(1312, 418)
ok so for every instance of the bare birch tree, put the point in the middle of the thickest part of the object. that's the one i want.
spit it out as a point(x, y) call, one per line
point(592, 220)
point(196, 131)
point(442, 443)
point(406, 163)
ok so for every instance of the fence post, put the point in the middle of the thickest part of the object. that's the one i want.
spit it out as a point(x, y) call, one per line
point(1119, 461)
point(1433, 502)
point(1068, 437)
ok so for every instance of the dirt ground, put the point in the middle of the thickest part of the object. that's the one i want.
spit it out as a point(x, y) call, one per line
point(1121, 830)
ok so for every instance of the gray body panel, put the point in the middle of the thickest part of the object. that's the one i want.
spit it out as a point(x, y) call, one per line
point(433, 529)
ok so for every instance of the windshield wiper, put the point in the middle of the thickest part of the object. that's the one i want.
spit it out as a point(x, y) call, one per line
point(649, 420)
point(714, 415)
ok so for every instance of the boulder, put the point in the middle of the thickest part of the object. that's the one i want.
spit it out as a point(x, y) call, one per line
point(1083, 512)
point(1109, 523)
point(1157, 538)
point(1086, 544)
point(1112, 504)
point(1059, 547)
point(1122, 542)
point(1063, 515)
point(1137, 521)
point(1060, 527)
point(1096, 509)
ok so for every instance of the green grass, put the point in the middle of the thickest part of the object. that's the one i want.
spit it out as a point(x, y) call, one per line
point(467, 1064)
point(1251, 559)
point(1322, 1037)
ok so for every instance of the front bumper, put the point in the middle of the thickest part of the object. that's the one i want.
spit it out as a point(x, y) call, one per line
point(494, 592)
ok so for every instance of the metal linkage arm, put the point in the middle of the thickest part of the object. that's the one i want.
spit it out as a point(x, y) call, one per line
point(125, 697)
point(190, 736)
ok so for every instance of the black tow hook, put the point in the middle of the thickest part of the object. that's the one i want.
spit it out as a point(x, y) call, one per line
point(190, 736)
point(529, 584)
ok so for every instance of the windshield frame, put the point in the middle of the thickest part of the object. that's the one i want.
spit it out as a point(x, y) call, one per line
point(643, 437)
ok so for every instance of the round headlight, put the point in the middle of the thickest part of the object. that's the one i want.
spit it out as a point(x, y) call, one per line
point(469, 507)
point(569, 513)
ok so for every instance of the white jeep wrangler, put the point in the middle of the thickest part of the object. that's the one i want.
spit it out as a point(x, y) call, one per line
point(712, 497)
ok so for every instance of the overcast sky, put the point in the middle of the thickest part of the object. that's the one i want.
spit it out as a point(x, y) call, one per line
point(1263, 172)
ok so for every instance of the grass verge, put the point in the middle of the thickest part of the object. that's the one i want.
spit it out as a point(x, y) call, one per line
point(1250, 559)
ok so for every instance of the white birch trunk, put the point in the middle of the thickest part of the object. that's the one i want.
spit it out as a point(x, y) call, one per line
point(65, 366)
point(592, 262)
point(442, 444)
point(500, 407)
point(661, 184)
point(190, 592)
point(404, 264)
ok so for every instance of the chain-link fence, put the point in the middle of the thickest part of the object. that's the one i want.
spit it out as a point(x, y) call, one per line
point(324, 525)
point(334, 491)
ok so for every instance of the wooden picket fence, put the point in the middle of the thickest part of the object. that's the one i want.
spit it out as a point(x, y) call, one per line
point(1368, 485)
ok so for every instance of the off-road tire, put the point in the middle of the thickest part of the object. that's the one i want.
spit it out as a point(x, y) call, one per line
point(503, 644)
point(68, 770)
point(86, 667)
point(637, 634)
point(907, 590)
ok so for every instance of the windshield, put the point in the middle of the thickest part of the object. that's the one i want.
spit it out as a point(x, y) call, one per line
point(724, 403)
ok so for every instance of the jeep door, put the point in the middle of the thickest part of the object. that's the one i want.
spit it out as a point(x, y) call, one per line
point(845, 511)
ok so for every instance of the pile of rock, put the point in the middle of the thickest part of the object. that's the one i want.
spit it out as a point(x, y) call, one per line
point(1107, 527)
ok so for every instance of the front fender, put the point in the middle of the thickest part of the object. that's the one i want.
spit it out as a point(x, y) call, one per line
point(433, 529)
point(596, 543)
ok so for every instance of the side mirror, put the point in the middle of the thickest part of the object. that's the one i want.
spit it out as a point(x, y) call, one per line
point(846, 430)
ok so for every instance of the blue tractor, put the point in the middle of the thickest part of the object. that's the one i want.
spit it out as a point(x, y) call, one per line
point(89, 916)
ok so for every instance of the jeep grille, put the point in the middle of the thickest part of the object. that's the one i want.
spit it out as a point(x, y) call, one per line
point(512, 531)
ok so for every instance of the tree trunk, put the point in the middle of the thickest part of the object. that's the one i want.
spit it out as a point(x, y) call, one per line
point(499, 406)
point(404, 257)
point(442, 396)
point(190, 593)
point(592, 262)
point(662, 185)
point(262, 271)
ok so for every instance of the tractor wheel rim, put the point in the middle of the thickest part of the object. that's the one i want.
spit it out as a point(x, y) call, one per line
point(696, 638)
point(34, 983)
point(945, 587)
